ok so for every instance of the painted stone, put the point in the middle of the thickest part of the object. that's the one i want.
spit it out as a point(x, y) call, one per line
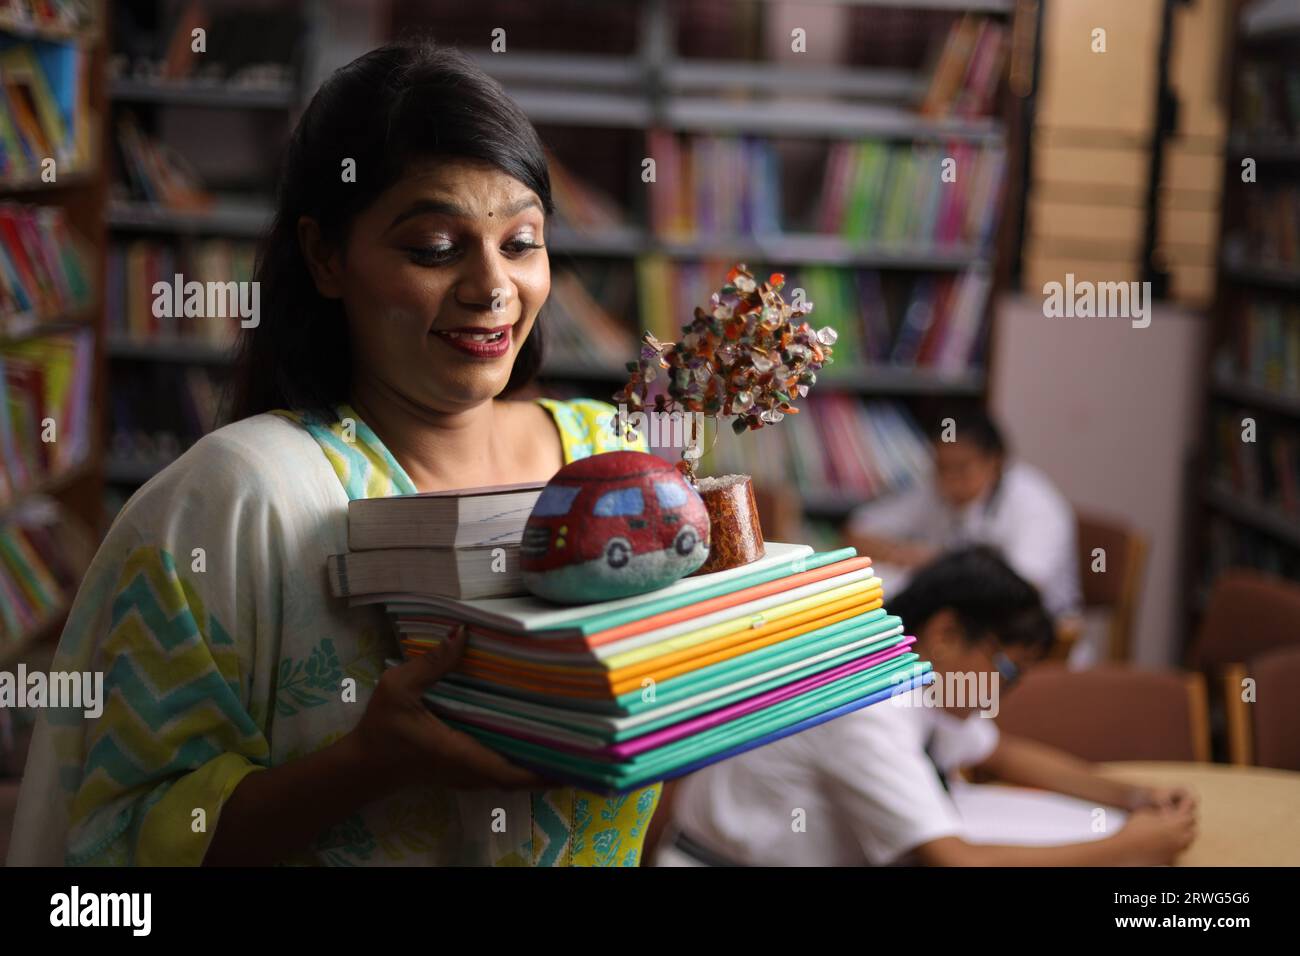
point(612, 525)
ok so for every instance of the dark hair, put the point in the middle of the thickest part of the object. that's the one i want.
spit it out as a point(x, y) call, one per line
point(974, 426)
point(398, 104)
point(987, 596)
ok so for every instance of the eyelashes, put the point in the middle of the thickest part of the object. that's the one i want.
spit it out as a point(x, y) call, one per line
point(444, 254)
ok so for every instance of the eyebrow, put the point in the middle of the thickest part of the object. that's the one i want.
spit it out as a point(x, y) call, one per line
point(441, 207)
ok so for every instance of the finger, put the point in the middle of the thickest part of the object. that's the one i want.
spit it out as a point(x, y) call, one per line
point(421, 672)
point(485, 766)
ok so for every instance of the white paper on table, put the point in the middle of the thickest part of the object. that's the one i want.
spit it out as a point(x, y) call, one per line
point(1015, 815)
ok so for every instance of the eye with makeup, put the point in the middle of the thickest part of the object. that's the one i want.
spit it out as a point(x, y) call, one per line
point(444, 253)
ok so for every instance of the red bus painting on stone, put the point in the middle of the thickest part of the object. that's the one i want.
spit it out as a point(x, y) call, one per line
point(613, 525)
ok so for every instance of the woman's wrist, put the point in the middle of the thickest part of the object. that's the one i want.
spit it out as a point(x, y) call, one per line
point(368, 766)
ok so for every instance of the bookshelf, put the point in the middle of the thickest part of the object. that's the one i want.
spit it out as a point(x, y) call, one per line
point(51, 359)
point(1245, 510)
point(667, 68)
point(218, 121)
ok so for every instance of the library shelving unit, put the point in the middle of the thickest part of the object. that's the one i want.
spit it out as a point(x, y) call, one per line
point(70, 57)
point(1245, 495)
point(610, 85)
point(227, 126)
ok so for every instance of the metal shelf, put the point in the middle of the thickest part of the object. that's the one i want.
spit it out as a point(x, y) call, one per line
point(48, 485)
point(14, 330)
point(1249, 394)
point(691, 75)
point(821, 119)
point(69, 179)
point(1261, 517)
point(898, 380)
point(785, 248)
point(217, 95)
point(180, 350)
point(229, 217)
point(568, 108)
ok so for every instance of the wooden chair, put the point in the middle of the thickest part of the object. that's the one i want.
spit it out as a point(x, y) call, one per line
point(1119, 589)
point(1111, 712)
point(1265, 731)
point(1249, 614)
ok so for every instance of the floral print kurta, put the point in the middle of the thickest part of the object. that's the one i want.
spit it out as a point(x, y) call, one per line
point(208, 611)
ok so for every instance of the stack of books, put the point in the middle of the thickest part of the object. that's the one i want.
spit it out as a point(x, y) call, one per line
point(618, 694)
point(449, 544)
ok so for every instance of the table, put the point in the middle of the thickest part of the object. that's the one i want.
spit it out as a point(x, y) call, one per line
point(1246, 816)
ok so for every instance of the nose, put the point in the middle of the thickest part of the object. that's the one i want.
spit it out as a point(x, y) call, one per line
point(484, 284)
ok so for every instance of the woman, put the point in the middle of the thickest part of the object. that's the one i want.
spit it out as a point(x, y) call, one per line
point(249, 715)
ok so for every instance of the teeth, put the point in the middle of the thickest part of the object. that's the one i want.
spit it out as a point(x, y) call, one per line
point(476, 336)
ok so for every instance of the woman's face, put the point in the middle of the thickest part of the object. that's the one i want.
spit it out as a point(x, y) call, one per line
point(453, 245)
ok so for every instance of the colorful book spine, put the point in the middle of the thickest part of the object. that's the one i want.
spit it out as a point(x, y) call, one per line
point(46, 426)
point(43, 268)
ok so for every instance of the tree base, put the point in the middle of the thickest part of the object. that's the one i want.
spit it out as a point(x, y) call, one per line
point(735, 535)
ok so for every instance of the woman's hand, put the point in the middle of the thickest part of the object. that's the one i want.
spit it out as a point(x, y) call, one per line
point(1156, 837)
point(401, 742)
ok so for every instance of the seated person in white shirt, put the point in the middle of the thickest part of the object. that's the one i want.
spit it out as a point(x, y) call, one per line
point(977, 496)
point(872, 787)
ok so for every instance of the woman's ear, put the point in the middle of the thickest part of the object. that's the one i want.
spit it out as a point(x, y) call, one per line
point(322, 261)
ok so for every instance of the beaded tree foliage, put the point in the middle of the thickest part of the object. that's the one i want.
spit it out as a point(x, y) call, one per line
point(748, 357)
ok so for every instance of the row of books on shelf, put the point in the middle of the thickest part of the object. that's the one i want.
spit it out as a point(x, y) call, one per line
point(42, 557)
point(44, 110)
point(895, 195)
point(145, 434)
point(1232, 545)
point(579, 205)
point(45, 411)
point(1266, 350)
point(909, 321)
point(713, 185)
point(1265, 470)
point(838, 449)
point(154, 172)
point(966, 76)
point(900, 194)
point(43, 268)
point(1268, 104)
point(1271, 236)
point(134, 267)
point(579, 331)
point(926, 321)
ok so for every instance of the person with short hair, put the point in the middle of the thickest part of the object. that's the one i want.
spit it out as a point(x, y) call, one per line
point(873, 786)
point(978, 495)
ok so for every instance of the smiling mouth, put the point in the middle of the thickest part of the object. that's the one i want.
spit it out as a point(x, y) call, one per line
point(476, 334)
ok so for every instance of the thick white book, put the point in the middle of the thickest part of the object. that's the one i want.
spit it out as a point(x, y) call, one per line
point(454, 573)
point(460, 518)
